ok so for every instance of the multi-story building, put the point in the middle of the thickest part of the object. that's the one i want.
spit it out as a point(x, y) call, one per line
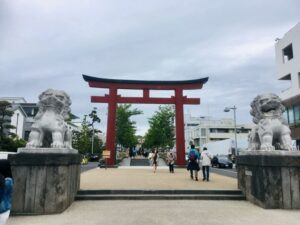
point(201, 130)
point(287, 50)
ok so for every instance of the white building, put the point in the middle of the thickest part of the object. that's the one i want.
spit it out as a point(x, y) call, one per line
point(287, 51)
point(201, 130)
point(18, 121)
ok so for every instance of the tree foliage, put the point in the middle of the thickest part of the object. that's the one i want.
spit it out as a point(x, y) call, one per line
point(82, 139)
point(161, 131)
point(5, 115)
point(10, 144)
point(8, 140)
point(125, 128)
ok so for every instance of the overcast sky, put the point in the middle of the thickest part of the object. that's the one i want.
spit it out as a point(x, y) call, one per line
point(50, 44)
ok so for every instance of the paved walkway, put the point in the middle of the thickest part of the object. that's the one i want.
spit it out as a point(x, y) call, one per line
point(126, 161)
point(163, 213)
point(144, 178)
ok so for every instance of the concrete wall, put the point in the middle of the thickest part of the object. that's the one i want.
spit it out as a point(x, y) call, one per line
point(292, 66)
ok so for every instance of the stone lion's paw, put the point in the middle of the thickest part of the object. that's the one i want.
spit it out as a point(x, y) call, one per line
point(57, 144)
point(33, 144)
point(267, 147)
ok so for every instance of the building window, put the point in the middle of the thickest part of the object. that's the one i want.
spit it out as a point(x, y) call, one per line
point(203, 132)
point(287, 53)
point(291, 115)
point(297, 113)
point(26, 135)
point(203, 141)
point(285, 115)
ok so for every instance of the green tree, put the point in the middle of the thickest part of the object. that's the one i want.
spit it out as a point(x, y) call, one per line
point(8, 140)
point(95, 119)
point(82, 139)
point(161, 131)
point(125, 128)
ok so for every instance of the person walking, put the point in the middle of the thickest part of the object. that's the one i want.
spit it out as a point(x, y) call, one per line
point(171, 161)
point(206, 162)
point(6, 188)
point(193, 164)
point(154, 159)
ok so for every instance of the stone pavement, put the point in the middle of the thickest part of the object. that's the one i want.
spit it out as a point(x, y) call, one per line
point(144, 178)
point(163, 213)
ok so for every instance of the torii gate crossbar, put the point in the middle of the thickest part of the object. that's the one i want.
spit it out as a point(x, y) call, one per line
point(113, 99)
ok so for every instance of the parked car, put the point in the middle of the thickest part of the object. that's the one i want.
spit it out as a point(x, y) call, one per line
point(94, 158)
point(221, 161)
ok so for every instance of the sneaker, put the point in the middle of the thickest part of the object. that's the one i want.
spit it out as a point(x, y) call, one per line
point(196, 179)
point(204, 179)
point(192, 177)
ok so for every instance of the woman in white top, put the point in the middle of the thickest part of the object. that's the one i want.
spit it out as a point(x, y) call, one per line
point(206, 162)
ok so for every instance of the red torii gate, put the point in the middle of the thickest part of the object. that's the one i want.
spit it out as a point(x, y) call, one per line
point(113, 99)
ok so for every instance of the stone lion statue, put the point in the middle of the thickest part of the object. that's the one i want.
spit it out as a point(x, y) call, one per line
point(49, 128)
point(271, 131)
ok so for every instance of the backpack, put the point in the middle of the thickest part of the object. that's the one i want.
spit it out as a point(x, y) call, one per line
point(192, 156)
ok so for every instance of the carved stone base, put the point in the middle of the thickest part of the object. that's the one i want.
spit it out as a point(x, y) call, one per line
point(48, 150)
point(44, 183)
point(270, 179)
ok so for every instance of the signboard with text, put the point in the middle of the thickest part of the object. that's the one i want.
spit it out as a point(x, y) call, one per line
point(106, 154)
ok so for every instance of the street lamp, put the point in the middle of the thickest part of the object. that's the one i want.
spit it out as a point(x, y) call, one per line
point(93, 115)
point(227, 109)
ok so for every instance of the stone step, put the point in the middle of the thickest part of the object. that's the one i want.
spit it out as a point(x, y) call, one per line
point(159, 195)
point(168, 192)
point(139, 162)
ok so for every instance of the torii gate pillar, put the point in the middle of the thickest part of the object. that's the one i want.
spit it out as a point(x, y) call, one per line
point(113, 99)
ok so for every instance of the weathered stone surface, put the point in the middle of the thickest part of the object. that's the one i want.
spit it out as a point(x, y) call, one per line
point(44, 183)
point(48, 150)
point(49, 129)
point(271, 131)
point(270, 180)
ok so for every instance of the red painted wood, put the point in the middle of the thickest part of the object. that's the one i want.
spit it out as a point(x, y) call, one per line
point(146, 93)
point(97, 84)
point(180, 149)
point(145, 100)
point(111, 126)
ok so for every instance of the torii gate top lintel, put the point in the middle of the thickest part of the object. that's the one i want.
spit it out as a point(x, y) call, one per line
point(145, 84)
point(113, 99)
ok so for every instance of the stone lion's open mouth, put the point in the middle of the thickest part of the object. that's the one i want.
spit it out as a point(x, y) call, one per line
point(269, 107)
point(269, 110)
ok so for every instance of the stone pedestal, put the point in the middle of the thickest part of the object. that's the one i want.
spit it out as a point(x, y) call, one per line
point(270, 179)
point(44, 183)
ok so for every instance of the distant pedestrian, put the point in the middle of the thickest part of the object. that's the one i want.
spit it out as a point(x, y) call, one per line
point(131, 152)
point(206, 162)
point(171, 161)
point(6, 188)
point(154, 159)
point(193, 164)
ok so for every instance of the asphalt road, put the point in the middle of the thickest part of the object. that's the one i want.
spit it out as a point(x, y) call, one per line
point(89, 166)
point(225, 172)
